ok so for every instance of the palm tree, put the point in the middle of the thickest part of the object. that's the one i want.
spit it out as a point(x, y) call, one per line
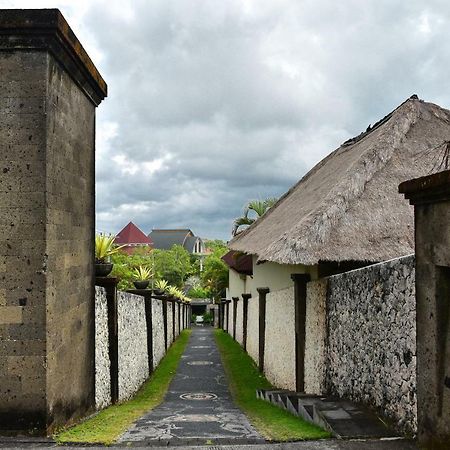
point(255, 208)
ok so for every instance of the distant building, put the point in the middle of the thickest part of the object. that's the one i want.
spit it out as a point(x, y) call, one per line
point(132, 237)
point(166, 239)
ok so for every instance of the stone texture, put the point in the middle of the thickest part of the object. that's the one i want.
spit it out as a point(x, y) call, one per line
point(253, 328)
point(315, 339)
point(132, 343)
point(102, 363)
point(279, 359)
point(169, 323)
point(371, 338)
point(158, 332)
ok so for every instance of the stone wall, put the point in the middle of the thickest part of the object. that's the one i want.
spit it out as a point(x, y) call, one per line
point(253, 328)
point(158, 332)
point(315, 339)
point(279, 358)
point(132, 343)
point(102, 363)
point(372, 340)
point(48, 93)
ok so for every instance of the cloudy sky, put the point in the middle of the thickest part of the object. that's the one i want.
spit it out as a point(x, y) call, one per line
point(212, 103)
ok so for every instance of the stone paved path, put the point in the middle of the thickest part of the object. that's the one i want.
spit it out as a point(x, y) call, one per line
point(198, 407)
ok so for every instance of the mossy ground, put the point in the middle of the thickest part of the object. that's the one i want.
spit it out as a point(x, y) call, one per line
point(244, 377)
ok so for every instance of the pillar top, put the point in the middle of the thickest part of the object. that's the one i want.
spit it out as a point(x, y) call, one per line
point(246, 296)
point(263, 290)
point(47, 30)
point(430, 189)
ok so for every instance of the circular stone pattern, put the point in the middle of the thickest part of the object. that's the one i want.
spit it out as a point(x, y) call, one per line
point(200, 363)
point(198, 396)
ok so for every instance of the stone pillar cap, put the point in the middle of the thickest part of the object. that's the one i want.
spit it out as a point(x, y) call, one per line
point(46, 29)
point(429, 189)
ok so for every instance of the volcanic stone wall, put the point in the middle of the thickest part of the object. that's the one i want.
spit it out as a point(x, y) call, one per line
point(371, 355)
point(158, 332)
point(132, 341)
point(102, 363)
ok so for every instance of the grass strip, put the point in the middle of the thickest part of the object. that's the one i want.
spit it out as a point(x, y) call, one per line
point(106, 426)
point(244, 378)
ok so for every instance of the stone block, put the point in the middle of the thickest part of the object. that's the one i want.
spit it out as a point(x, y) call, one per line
point(11, 314)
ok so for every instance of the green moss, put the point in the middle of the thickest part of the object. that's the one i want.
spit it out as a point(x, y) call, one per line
point(244, 377)
point(110, 423)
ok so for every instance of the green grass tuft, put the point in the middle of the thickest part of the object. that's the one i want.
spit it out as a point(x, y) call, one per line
point(110, 423)
point(273, 423)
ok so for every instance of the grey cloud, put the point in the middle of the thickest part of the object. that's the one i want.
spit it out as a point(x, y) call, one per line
point(239, 101)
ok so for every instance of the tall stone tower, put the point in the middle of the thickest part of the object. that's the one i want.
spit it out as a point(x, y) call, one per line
point(49, 89)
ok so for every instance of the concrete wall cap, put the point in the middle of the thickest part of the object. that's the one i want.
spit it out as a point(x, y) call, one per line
point(46, 29)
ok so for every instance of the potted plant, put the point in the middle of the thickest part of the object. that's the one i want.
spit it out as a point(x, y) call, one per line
point(104, 248)
point(161, 287)
point(142, 276)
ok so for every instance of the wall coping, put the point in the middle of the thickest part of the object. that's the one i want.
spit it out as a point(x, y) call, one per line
point(429, 189)
point(48, 30)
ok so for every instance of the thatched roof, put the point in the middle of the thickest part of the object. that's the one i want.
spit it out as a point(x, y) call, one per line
point(347, 208)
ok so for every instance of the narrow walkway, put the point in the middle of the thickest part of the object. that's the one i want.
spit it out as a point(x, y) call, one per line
point(198, 407)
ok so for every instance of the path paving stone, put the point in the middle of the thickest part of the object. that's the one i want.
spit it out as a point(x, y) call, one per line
point(198, 406)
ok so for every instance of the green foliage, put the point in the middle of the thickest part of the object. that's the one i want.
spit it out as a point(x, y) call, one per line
point(198, 292)
point(272, 422)
point(215, 272)
point(173, 265)
point(207, 317)
point(142, 273)
point(162, 285)
point(104, 247)
point(106, 426)
point(253, 211)
point(124, 265)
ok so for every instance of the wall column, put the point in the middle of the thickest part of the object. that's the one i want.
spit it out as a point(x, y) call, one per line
point(300, 281)
point(49, 90)
point(245, 299)
point(431, 199)
point(262, 325)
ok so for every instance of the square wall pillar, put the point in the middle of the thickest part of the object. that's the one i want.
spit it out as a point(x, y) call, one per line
point(431, 199)
point(49, 89)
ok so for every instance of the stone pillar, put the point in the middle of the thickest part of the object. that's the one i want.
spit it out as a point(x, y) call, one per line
point(262, 325)
point(300, 281)
point(49, 89)
point(245, 299)
point(235, 303)
point(431, 199)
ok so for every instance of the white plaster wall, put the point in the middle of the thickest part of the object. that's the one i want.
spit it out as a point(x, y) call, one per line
point(279, 358)
point(132, 343)
point(236, 283)
point(315, 337)
point(275, 276)
point(230, 323)
point(102, 362)
point(253, 328)
point(157, 332)
point(169, 324)
point(239, 327)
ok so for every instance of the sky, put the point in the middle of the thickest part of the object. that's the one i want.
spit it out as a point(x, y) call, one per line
point(214, 103)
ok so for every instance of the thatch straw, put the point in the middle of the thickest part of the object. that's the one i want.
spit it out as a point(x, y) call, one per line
point(347, 208)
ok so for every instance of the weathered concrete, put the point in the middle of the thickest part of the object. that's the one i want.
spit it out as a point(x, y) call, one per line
point(431, 199)
point(158, 332)
point(253, 329)
point(49, 89)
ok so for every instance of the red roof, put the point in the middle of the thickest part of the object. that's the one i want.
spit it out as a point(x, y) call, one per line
point(131, 234)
